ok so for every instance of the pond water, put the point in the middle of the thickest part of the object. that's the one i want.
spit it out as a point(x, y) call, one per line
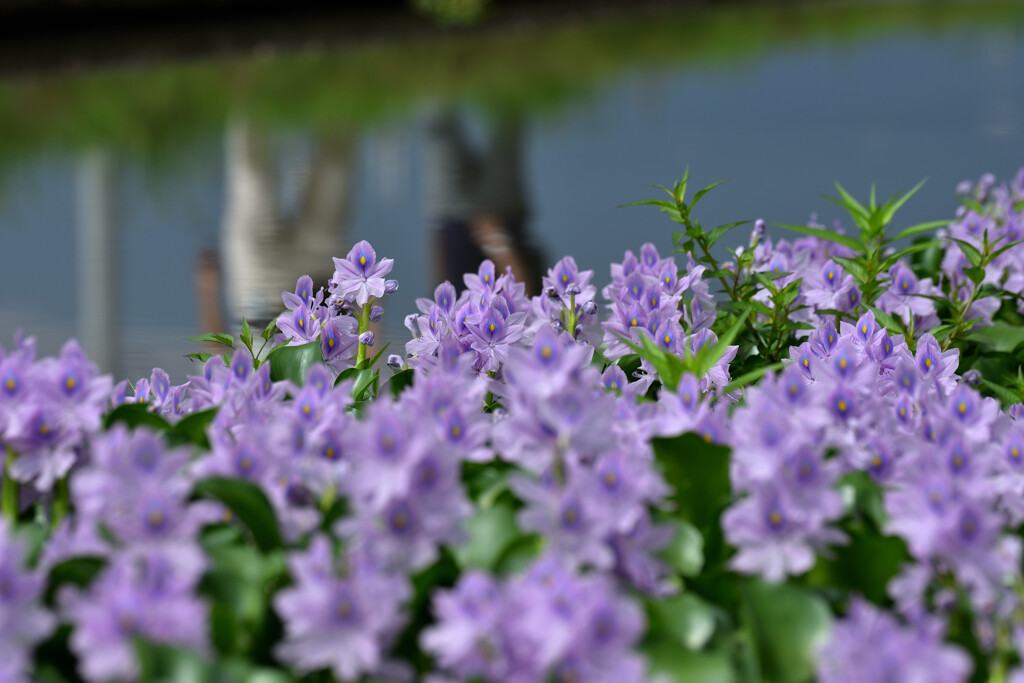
point(141, 231)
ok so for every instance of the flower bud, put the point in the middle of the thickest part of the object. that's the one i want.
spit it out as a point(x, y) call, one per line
point(390, 286)
point(573, 290)
point(972, 378)
point(376, 313)
point(551, 293)
point(590, 308)
point(395, 362)
point(366, 339)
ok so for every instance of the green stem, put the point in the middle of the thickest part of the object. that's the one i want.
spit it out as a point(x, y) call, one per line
point(571, 316)
point(9, 497)
point(61, 501)
point(364, 325)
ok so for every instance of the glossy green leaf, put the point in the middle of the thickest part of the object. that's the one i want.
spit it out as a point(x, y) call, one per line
point(686, 551)
point(269, 330)
point(970, 251)
point(490, 532)
point(894, 204)
point(77, 571)
point(135, 415)
point(192, 429)
point(703, 191)
point(790, 624)
point(708, 356)
point(400, 381)
point(247, 502)
point(683, 666)
point(684, 619)
point(200, 356)
point(1001, 336)
point(698, 471)
point(246, 335)
point(293, 362)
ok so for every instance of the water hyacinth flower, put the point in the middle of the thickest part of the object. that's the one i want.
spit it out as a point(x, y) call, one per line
point(23, 622)
point(915, 653)
point(359, 277)
point(339, 614)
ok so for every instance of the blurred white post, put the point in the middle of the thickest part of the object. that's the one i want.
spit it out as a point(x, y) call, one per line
point(97, 259)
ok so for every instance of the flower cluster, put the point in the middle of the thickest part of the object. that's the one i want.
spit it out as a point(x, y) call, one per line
point(549, 623)
point(499, 510)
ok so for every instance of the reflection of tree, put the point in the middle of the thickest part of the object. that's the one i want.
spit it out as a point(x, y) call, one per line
point(266, 248)
point(477, 202)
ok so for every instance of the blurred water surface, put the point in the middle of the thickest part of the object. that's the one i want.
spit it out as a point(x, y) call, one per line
point(141, 205)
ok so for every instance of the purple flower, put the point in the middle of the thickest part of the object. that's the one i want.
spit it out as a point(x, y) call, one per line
point(22, 622)
point(359, 277)
point(339, 619)
point(913, 654)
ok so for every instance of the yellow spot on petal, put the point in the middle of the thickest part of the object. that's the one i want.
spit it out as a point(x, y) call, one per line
point(10, 384)
point(906, 285)
point(876, 461)
point(330, 343)
point(456, 431)
point(565, 278)
point(842, 363)
point(962, 408)
point(302, 323)
point(305, 409)
point(633, 322)
point(775, 518)
point(927, 362)
point(487, 277)
point(545, 352)
point(362, 260)
point(610, 479)
point(668, 338)
point(864, 329)
point(841, 405)
point(903, 411)
point(615, 384)
point(1015, 453)
point(492, 327)
point(70, 383)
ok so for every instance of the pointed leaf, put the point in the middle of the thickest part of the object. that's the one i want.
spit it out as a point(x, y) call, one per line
point(708, 357)
point(970, 251)
point(214, 338)
point(247, 502)
point(721, 230)
point(787, 655)
point(269, 330)
point(823, 234)
point(852, 204)
point(894, 204)
point(701, 193)
point(750, 377)
point(918, 229)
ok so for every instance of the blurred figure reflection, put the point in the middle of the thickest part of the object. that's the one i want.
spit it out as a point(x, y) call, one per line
point(476, 202)
point(264, 246)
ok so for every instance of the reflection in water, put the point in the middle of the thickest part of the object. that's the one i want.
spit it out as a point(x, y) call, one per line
point(265, 247)
point(476, 202)
point(96, 258)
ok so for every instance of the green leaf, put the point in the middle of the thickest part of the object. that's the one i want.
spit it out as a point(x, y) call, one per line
point(373, 361)
point(906, 251)
point(1004, 248)
point(852, 267)
point(789, 624)
point(698, 471)
point(970, 251)
point(686, 551)
point(192, 429)
point(490, 531)
point(918, 229)
point(246, 335)
point(721, 230)
point(135, 415)
point(1007, 396)
point(270, 330)
point(894, 204)
point(77, 571)
point(975, 274)
point(700, 193)
point(685, 620)
point(894, 326)
point(683, 666)
point(214, 338)
point(823, 234)
point(364, 380)
point(850, 203)
point(293, 362)
point(707, 357)
point(200, 356)
point(400, 381)
point(668, 366)
point(1001, 336)
point(750, 377)
point(663, 203)
point(247, 502)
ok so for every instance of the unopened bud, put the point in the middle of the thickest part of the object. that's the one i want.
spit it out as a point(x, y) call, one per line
point(972, 378)
point(590, 308)
point(390, 286)
point(551, 293)
point(376, 313)
point(395, 362)
point(573, 290)
point(366, 339)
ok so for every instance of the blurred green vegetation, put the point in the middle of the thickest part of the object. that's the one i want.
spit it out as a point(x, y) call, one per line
point(153, 112)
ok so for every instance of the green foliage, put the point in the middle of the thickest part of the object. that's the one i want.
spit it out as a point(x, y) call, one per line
point(249, 504)
point(788, 624)
point(292, 363)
